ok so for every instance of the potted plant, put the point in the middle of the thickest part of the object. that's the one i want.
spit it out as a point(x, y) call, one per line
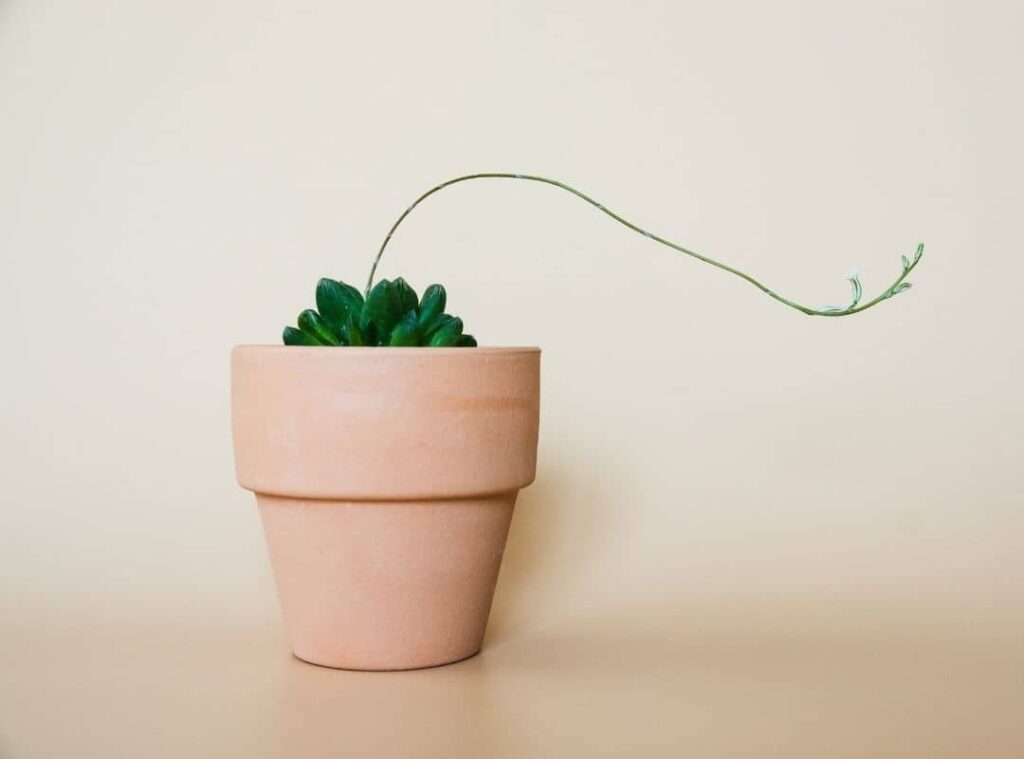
point(386, 450)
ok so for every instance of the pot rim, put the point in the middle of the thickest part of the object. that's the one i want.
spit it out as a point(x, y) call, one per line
point(364, 350)
point(313, 423)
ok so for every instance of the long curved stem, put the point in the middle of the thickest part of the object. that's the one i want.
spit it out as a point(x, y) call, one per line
point(853, 308)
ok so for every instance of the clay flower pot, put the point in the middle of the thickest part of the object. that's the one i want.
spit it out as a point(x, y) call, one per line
point(386, 479)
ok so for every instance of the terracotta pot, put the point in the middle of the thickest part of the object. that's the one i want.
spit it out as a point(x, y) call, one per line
point(386, 479)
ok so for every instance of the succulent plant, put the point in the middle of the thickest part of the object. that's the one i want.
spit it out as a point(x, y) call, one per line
point(391, 314)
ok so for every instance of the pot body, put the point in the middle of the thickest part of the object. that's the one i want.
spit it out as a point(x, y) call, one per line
point(386, 479)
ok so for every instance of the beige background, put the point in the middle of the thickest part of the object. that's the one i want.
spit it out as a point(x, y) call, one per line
point(753, 533)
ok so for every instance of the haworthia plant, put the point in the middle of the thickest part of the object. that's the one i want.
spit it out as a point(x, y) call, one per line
point(390, 314)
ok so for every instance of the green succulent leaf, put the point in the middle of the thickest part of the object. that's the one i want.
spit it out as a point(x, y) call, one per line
point(906, 262)
point(901, 287)
point(407, 332)
point(353, 334)
point(382, 310)
point(432, 307)
point(336, 301)
point(441, 321)
point(407, 297)
point(447, 334)
point(465, 341)
point(292, 336)
point(311, 323)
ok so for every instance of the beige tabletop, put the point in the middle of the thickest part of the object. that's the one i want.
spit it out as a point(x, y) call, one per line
point(821, 678)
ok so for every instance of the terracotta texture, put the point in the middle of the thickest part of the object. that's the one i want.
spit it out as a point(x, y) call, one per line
point(386, 479)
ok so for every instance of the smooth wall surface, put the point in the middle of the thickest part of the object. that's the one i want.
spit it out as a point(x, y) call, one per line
point(738, 507)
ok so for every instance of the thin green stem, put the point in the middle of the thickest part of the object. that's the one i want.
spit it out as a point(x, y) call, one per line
point(853, 308)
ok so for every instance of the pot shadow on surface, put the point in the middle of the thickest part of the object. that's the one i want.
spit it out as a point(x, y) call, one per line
point(564, 525)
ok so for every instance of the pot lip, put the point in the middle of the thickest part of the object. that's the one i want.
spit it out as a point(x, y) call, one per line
point(363, 351)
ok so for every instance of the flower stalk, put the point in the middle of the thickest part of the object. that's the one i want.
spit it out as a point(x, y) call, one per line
point(854, 307)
